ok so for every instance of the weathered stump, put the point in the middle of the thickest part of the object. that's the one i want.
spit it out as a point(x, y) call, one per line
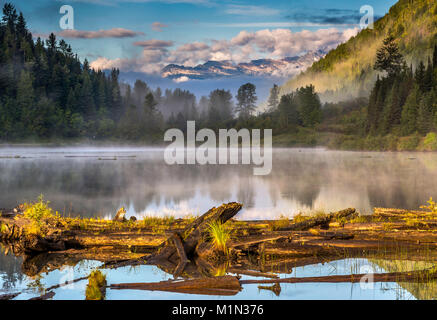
point(193, 235)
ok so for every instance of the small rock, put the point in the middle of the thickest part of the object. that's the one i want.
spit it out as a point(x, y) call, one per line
point(133, 219)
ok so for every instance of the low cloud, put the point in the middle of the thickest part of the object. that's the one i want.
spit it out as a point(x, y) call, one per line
point(158, 26)
point(111, 33)
point(153, 44)
point(181, 79)
point(248, 10)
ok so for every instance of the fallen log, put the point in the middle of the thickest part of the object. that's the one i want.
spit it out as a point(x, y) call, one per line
point(411, 276)
point(8, 296)
point(45, 296)
point(253, 273)
point(225, 285)
point(318, 221)
point(256, 240)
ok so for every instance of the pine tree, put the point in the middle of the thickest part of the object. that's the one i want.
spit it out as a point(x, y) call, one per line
point(428, 79)
point(274, 97)
point(424, 119)
point(372, 114)
point(419, 76)
point(246, 99)
point(410, 112)
point(388, 57)
point(288, 113)
point(309, 106)
point(25, 100)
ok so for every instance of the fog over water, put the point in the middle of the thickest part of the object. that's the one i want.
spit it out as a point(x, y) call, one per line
point(97, 181)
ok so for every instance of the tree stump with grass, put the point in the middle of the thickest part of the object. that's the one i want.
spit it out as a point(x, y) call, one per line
point(190, 242)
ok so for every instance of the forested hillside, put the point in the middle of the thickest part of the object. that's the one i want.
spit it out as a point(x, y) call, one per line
point(347, 71)
point(45, 91)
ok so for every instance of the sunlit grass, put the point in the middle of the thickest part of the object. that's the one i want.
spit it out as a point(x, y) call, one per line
point(219, 235)
point(95, 289)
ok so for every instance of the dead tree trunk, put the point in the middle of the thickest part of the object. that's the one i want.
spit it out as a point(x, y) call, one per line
point(225, 285)
point(193, 234)
point(318, 221)
point(419, 276)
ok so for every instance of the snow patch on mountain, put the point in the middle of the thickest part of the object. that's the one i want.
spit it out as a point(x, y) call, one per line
point(286, 67)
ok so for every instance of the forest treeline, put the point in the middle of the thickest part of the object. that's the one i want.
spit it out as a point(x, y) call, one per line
point(401, 113)
point(47, 93)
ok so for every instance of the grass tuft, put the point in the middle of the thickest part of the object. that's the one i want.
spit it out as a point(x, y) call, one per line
point(220, 235)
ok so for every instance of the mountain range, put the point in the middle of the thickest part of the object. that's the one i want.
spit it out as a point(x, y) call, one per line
point(286, 67)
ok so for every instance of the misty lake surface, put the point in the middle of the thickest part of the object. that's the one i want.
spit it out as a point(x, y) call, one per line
point(98, 181)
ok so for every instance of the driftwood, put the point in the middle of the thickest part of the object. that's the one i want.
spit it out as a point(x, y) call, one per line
point(411, 276)
point(276, 289)
point(256, 240)
point(8, 296)
point(253, 273)
point(318, 221)
point(177, 241)
point(45, 296)
point(225, 285)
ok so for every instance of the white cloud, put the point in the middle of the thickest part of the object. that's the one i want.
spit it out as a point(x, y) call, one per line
point(158, 26)
point(247, 10)
point(110, 33)
point(181, 79)
point(153, 44)
point(245, 46)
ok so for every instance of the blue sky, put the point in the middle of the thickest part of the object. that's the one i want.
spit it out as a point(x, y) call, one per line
point(145, 34)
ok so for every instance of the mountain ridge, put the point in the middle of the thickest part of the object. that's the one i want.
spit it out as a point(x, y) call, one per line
point(260, 67)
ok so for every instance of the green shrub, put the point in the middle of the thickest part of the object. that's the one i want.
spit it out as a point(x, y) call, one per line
point(430, 142)
point(39, 210)
point(409, 143)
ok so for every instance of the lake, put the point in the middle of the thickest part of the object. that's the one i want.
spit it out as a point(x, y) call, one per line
point(89, 182)
point(98, 181)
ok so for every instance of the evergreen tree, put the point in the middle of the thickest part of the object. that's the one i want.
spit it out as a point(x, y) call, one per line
point(274, 97)
point(425, 112)
point(309, 106)
point(410, 112)
point(246, 99)
point(288, 113)
point(388, 57)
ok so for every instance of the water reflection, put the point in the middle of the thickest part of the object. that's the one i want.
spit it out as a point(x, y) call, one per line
point(30, 287)
point(96, 182)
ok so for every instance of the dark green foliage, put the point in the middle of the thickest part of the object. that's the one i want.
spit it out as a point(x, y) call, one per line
point(246, 99)
point(274, 97)
point(46, 92)
point(309, 106)
point(404, 102)
point(288, 114)
point(388, 57)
